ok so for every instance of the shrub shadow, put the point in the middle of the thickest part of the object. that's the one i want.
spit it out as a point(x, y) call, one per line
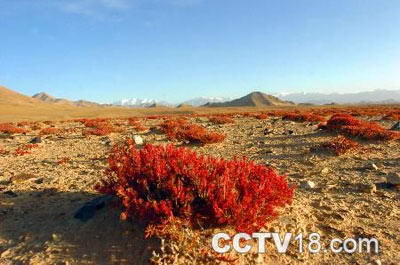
point(42, 224)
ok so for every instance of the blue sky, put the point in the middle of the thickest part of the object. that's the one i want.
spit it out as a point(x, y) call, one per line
point(105, 50)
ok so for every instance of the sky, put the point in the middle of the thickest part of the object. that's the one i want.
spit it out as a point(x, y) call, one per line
point(174, 50)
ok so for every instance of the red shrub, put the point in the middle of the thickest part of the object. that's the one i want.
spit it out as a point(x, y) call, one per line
point(49, 130)
point(337, 121)
point(181, 130)
point(136, 124)
point(261, 116)
point(341, 145)
point(63, 160)
point(351, 126)
point(23, 123)
point(24, 149)
point(159, 183)
point(9, 128)
point(221, 120)
point(3, 151)
point(100, 127)
point(301, 117)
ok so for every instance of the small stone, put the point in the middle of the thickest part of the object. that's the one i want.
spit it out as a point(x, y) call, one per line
point(307, 185)
point(36, 140)
point(55, 237)
point(138, 139)
point(325, 170)
point(375, 167)
point(393, 178)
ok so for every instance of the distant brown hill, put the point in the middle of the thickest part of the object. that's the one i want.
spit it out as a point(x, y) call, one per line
point(47, 98)
point(50, 99)
point(8, 96)
point(254, 99)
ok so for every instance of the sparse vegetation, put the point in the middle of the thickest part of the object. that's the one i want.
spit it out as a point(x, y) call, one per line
point(160, 183)
point(181, 130)
point(9, 128)
point(341, 145)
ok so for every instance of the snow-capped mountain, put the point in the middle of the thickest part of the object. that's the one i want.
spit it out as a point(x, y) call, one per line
point(204, 100)
point(374, 96)
point(140, 103)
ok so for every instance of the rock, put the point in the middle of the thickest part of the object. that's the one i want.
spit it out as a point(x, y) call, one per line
point(307, 185)
point(36, 140)
point(88, 210)
point(267, 131)
point(55, 237)
point(393, 178)
point(375, 167)
point(138, 139)
point(325, 170)
point(396, 127)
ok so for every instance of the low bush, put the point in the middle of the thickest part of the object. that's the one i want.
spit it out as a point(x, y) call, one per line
point(158, 184)
point(341, 145)
point(181, 130)
point(350, 126)
point(99, 127)
point(302, 117)
point(261, 116)
point(136, 124)
point(49, 130)
point(24, 149)
point(9, 128)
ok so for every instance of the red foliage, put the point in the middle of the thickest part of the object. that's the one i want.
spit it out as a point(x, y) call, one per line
point(351, 126)
point(24, 149)
point(49, 130)
point(159, 183)
point(136, 124)
point(301, 117)
point(181, 130)
point(100, 127)
point(221, 120)
point(261, 116)
point(63, 160)
point(341, 145)
point(3, 151)
point(9, 128)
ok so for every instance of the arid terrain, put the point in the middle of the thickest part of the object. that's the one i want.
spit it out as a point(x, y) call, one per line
point(42, 185)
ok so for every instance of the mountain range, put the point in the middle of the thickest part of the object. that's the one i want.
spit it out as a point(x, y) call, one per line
point(374, 96)
point(254, 99)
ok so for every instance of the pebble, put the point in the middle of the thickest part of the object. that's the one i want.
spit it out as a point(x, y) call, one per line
point(307, 185)
point(325, 170)
point(375, 167)
point(36, 140)
point(138, 139)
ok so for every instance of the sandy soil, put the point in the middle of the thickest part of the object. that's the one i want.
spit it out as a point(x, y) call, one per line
point(36, 209)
